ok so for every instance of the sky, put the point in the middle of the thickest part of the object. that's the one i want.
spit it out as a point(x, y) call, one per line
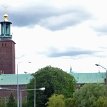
point(60, 33)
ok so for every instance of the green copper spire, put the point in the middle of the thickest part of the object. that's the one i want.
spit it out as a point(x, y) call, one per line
point(5, 28)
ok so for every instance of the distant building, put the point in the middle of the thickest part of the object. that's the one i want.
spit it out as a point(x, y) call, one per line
point(7, 48)
point(8, 84)
point(8, 78)
point(84, 78)
point(10, 81)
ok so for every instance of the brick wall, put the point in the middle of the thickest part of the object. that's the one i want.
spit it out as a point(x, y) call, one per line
point(7, 57)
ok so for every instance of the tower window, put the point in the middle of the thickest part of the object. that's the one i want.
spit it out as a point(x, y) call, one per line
point(7, 29)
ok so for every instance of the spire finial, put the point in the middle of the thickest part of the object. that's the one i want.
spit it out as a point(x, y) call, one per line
point(5, 17)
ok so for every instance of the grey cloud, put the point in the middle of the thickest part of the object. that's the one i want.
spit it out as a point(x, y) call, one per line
point(64, 20)
point(49, 17)
point(30, 16)
point(101, 29)
point(69, 52)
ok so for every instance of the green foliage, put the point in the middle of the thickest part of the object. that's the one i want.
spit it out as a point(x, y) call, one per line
point(56, 101)
point(69, 102)
point(11, 101)
point(24, 102)
point(101, 102)
point(55, 80)
point(88, 95)
point(2, 102)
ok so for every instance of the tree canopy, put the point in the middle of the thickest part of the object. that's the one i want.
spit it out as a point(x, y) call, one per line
point(11, 101)
point(55, 80)
point(90, 95)
point(56, 101)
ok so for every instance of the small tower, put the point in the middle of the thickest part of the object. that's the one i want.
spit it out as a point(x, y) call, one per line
point(5, 28)
point(7, 48)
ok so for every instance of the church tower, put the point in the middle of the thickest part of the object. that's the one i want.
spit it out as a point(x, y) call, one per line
point(7, 48)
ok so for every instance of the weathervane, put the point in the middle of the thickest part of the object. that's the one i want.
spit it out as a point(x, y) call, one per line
point(5, 7)
point(5, 16)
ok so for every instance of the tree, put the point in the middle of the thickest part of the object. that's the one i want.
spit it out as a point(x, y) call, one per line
point(101, 102)
point(11, 102)
point(56, 101)
point(24, 102)
point(55, 80)
point(69, 102)
point(2, 102)
point(88, 95)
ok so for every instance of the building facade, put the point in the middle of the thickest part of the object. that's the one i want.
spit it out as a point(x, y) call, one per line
point(7, 48)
